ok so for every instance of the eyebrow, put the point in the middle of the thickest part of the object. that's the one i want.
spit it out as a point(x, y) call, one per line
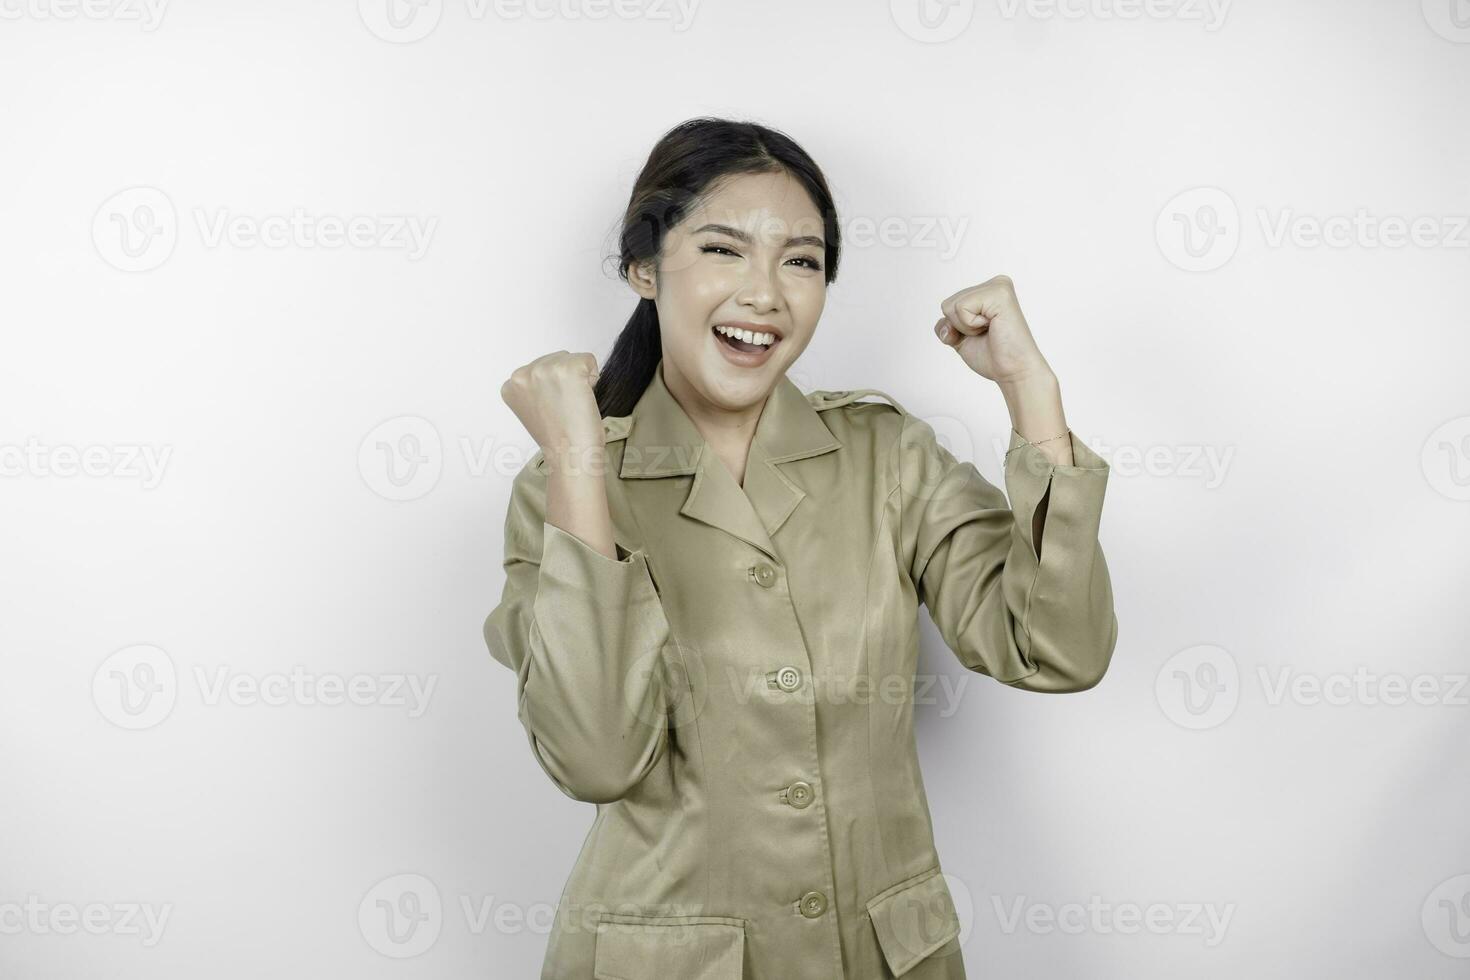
point(741, 236)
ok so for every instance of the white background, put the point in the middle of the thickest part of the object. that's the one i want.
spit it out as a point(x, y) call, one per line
point(281, 390)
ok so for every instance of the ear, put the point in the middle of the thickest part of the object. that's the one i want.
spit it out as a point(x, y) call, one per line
point(641, 277)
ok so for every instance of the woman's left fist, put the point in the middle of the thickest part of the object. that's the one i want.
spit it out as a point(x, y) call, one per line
point(984, 323)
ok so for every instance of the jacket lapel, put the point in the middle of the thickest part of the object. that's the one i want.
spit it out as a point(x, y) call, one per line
point(663, 441)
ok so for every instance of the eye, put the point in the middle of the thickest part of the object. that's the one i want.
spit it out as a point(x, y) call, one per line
point(805, 260)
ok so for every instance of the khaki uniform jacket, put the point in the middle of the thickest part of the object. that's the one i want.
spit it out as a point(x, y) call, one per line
point(735, 692)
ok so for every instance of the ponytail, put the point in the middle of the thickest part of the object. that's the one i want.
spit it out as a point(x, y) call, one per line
point(628, 370)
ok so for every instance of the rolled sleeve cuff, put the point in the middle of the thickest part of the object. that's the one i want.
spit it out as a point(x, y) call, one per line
point(570, 562)
point(1029, 472)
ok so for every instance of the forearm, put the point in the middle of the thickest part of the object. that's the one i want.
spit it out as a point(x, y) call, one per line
point(580, 630)
point(1036, 411)
point(576, 495)
point(1039, 623)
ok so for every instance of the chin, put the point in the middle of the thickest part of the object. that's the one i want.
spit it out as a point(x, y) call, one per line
point(734, 388)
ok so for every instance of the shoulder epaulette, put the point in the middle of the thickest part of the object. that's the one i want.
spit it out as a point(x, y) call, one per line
point(823, 400)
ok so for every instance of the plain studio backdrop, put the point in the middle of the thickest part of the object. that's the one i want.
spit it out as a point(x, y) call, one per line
point(266, 265)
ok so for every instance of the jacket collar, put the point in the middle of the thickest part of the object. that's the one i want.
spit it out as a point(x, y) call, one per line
point(663, 441)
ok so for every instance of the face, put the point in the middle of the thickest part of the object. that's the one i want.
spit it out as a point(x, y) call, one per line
point(750, 257)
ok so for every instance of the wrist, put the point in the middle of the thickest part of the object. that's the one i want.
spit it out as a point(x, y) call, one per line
point(572, 459)
point(1039, 383)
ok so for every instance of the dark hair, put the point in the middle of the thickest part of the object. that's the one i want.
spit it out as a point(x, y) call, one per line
point(683, 167)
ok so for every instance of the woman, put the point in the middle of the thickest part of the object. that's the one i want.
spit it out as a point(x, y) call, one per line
point(713, 582)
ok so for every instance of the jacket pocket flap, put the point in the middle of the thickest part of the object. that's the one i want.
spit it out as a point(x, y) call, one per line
point(913, 919)
point(686, 947)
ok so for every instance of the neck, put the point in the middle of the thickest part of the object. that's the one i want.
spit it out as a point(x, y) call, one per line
point(729, 432)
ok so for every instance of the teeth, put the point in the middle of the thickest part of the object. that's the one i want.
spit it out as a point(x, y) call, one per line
point(750, 337)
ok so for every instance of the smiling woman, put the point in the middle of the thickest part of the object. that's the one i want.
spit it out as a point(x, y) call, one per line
point(729, 239)
point(712, 591)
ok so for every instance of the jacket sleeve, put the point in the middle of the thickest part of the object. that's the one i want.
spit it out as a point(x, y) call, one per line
point(585, 636)
point(1041, 624)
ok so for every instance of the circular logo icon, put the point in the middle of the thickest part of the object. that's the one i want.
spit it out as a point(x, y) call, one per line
point(402, 458)
point(401, 916)
point(1198, 687)
point(135, 229)
point(1199, 230)
point(136, 687)
point(1446, 917)
point(1450, 19)
point(919, 918)
point(926, 472)
point(1445, 459)
point(932, 21)
point(665, 688)
point(400, 21)
point(964, 904)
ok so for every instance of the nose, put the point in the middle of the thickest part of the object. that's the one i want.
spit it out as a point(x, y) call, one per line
point(761, 290)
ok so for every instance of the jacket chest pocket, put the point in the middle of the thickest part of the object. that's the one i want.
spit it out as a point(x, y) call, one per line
point(673, 947)
point(913, 919)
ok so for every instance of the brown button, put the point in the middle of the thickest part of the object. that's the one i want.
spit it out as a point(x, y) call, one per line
point(799, 794)
point(813, 904)
point(787, 679)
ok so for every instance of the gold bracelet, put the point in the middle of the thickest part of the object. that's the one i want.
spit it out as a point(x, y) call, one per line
point(1036, 443)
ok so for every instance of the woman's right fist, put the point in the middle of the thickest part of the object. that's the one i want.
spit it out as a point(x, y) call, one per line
point(554, 399)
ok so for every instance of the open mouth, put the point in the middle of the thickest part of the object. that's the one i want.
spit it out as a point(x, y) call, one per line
point(746, 341)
